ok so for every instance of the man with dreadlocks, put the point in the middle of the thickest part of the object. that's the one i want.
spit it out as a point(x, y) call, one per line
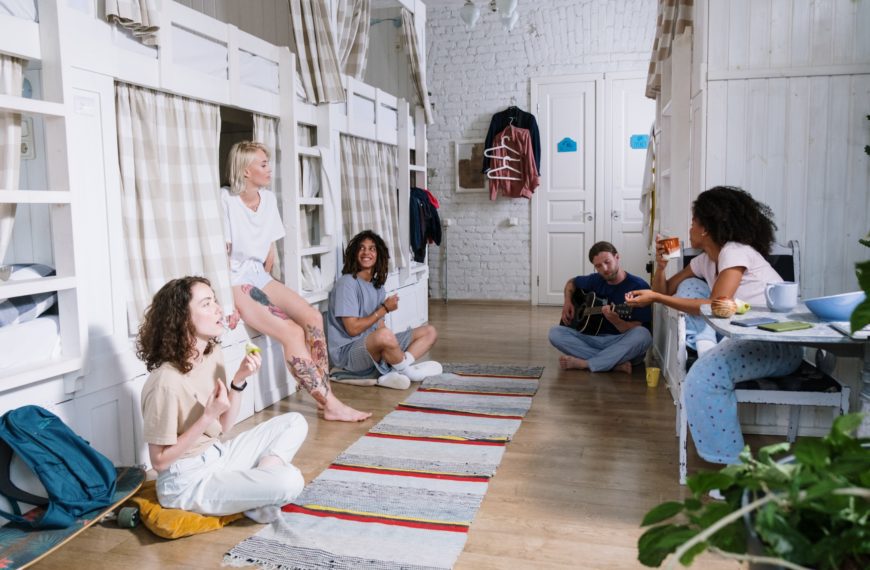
point(359, 340)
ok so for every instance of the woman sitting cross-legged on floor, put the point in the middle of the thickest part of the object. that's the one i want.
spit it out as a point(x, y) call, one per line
point(187, 406)
point(251, 226)
point(735, 233)
point(359, 340)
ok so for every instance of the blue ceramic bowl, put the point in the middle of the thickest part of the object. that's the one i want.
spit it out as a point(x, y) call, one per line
point(835, 307)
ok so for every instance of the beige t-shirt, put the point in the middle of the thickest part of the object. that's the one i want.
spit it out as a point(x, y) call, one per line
point(757, 275)
point(172, 402)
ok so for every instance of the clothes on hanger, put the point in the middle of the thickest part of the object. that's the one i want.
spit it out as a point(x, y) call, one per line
point(425, 224)
point(518, 118)
point(514, 173)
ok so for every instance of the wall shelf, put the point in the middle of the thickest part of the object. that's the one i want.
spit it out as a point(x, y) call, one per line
point(34, 286)
point(316, 250)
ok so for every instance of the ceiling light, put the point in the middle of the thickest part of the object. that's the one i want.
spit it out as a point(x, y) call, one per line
point(469, 13)
point(506, 7)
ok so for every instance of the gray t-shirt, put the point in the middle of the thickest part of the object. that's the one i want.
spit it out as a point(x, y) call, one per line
point(350, 297)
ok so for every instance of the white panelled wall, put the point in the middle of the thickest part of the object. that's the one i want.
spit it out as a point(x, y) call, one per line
point(772, 96)
point(473, 74)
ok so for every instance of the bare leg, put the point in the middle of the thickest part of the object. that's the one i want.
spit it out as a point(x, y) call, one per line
point(422, 339)
point(279, 320)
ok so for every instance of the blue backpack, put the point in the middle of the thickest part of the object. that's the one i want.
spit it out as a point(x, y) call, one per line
point(77, 478)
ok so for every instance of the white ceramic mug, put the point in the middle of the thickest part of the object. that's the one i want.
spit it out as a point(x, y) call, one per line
point(781, 297)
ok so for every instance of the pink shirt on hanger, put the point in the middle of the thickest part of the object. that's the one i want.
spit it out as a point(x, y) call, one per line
point(519, 140)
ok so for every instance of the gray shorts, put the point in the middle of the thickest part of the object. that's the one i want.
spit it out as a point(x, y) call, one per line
point(354, 357)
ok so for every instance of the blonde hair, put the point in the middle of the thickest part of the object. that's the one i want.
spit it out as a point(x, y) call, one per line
point(240, 157)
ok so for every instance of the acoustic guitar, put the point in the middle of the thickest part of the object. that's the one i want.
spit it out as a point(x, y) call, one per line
point(587, 312)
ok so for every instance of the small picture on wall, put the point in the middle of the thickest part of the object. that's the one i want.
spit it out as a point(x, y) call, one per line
point(469, 160)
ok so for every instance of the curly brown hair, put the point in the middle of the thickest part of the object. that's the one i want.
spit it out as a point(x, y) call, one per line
point(728, 214)
point(167, 332)
point(351, 265)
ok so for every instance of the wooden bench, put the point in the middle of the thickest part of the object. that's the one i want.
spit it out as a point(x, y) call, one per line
point(808, 386)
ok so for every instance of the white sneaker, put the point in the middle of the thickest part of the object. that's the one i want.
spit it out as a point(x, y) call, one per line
point(426, 369)
point(264, 515)
point(395, 380)
point(716, 495)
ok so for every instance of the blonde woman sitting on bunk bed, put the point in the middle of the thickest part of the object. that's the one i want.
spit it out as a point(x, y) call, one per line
point(187, 405)
point(251, 226)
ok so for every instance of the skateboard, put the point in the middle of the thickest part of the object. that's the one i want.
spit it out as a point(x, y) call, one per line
point(21, 546)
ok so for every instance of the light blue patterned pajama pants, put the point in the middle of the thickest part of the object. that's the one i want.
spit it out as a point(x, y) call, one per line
point(711, 405)
point(602, 352)
point(696, 327)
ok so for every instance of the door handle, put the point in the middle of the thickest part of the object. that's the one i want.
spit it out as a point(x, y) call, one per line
point(587, 216)
point(615, 215)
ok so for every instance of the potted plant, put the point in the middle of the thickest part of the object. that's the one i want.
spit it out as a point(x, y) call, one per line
point(812, 511)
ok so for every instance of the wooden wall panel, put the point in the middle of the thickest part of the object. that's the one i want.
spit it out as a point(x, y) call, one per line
point(797, 145)
point(777, 34)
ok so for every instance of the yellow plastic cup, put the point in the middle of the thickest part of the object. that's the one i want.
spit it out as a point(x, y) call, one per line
point(652, 376)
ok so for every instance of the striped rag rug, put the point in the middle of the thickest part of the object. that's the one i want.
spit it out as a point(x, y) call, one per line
point(404, 495)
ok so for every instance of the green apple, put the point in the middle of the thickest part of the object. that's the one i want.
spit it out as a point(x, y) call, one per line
point(251, 348)
point(742, 306)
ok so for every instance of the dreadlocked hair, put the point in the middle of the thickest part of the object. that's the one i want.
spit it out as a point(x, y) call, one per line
point(351, 265)
point(732, 214)
point(167, 332)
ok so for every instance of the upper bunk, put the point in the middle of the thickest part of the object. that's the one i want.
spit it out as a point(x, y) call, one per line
point(201, 58)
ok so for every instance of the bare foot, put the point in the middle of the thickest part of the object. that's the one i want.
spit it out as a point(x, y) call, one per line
point(624, 367)
point(572, 363)
point(338, 411)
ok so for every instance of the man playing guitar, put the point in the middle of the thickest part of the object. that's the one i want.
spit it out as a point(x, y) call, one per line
point(621, 336)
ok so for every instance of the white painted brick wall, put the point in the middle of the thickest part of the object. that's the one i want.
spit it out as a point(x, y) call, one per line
point(475, 74)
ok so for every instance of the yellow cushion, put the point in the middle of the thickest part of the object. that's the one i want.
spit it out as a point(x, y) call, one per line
point(174, 523)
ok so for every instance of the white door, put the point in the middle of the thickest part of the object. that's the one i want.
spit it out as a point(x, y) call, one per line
point(629, 116)
point(563, 207)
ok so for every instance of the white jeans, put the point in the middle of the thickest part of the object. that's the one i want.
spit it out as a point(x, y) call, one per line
point(224, 479)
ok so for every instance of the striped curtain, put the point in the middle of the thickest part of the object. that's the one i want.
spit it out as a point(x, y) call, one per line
point(674, 16)
point(369, 198)
point(168, 155)
point(138, 16)
point(418, 72)
point(11, 70)
point(352, 36)
point(315, 51)
point(266, 132)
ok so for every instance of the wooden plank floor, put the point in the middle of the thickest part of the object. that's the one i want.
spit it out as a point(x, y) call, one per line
point(593, 455)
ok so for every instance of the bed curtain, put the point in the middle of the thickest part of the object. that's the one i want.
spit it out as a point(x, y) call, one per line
point(674, 17)
point(168, 158)
point(368, 193)
point(11, 71)
point(266, 132)
point(137, 16)
point(352, 36)
point(418, 71)
point(314, 44)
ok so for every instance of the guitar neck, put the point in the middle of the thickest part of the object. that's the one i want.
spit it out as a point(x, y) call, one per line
point(597, 310)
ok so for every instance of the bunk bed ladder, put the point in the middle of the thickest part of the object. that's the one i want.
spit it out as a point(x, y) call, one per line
point(53, 110)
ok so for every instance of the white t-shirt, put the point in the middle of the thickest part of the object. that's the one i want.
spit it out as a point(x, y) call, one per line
point(757, 275)
point(250, 233)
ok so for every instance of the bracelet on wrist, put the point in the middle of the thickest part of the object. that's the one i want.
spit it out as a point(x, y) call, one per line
point(386, 310)
point(239, 388)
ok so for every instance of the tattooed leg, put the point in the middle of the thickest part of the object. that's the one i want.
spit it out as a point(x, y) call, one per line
point(307, 374)
point(316, 342)
point(259, 296)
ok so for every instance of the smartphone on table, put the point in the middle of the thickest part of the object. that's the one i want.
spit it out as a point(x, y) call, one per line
point(753, 321)
point(786, 326)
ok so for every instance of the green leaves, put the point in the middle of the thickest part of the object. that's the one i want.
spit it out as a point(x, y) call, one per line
point(814, 508)
point(861, 315)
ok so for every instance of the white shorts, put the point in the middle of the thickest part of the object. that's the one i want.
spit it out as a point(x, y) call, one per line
point(250, 273)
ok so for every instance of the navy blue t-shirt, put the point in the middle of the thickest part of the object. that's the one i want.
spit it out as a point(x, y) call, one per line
point(615, 294)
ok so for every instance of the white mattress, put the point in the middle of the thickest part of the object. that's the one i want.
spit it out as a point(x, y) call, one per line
point(25, 9)
point(31, 342)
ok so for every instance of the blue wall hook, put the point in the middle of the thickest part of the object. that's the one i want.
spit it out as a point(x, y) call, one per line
point(567, 145)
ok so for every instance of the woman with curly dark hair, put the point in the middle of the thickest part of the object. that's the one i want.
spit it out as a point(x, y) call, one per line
point(359, 340)
point(187, 406)
point(735, 233)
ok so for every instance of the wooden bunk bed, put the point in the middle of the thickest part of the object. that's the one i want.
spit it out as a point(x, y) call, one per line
point(94, 383)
